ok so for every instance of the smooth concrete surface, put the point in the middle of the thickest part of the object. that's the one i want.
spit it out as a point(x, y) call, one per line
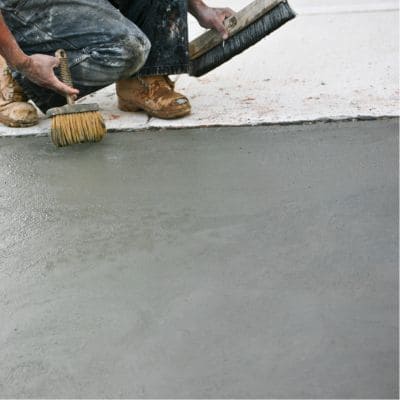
point(233, 262)
point(337, 59)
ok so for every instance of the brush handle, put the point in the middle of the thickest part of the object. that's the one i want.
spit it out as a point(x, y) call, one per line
point(65, 73)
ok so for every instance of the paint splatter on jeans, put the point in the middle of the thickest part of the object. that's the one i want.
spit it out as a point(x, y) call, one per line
point(105, 40)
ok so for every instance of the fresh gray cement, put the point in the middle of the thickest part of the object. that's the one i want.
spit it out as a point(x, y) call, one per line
point(236, 262)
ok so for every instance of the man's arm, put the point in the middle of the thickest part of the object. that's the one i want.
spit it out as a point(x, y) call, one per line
point(9, 48)
point(38, 68)
point(210, 18)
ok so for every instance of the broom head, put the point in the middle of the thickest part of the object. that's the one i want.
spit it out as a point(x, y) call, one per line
point(76, 123)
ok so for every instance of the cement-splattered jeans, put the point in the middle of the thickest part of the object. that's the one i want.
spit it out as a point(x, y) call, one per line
point(105, 40)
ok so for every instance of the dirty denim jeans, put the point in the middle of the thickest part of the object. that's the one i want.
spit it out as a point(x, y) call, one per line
point(105, 40)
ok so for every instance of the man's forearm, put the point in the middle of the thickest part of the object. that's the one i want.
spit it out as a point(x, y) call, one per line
point(9, 47)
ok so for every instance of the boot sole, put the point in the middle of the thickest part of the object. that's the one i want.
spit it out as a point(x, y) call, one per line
point(128, 106)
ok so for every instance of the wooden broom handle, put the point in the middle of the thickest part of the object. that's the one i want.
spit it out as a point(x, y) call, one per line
point(65, 73)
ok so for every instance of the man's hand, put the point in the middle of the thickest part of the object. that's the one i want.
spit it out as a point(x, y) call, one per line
point(210, 18)
point(39, 68)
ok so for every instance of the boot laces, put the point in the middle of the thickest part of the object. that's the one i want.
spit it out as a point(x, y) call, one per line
point(157, 82)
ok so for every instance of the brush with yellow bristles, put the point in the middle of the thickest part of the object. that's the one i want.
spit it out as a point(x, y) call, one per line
point(74, 123)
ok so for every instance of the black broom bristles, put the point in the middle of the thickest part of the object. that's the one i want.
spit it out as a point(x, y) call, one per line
point(247, 37)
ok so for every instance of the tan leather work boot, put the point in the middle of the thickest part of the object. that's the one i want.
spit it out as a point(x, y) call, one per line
point(14, 109)
point(154, 94)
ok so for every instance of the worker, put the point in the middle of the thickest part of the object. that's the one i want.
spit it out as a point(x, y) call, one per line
point(136, 44)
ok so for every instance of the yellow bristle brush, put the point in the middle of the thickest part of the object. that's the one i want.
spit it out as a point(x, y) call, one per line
point(74, 123)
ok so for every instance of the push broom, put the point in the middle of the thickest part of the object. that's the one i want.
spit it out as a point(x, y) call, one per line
point(245, 28)
point(74, 123)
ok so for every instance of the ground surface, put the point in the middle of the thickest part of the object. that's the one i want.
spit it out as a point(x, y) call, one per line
point(337, 59)
point(246, 262)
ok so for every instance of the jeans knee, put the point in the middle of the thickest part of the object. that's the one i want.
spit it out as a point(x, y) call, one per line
point(118, 59)
point(136, 50)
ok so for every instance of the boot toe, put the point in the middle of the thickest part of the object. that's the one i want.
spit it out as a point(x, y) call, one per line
point(21, 114)
point(175, 106)
point(181, 107)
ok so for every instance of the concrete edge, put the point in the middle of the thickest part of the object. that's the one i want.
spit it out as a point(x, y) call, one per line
point(277, 123)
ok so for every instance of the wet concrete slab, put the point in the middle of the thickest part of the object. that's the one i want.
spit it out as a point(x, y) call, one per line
point(230, 262)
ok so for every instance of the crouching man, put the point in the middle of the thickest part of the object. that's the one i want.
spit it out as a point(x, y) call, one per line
point(134, 43)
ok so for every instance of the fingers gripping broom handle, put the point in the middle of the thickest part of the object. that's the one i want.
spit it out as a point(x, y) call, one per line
point(65, 73)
